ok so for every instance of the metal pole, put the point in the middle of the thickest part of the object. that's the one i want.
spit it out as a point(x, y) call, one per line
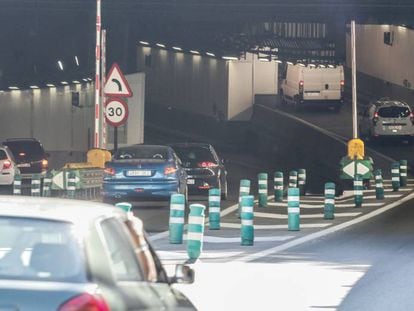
point(115, 138)
point(354, 93)
point(103, 79)
point(97, 142)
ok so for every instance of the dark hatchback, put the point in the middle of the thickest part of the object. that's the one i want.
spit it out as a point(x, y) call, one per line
point(30, 156)
point(204, 167)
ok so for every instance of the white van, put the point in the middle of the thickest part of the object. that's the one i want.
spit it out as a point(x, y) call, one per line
point(311, 84)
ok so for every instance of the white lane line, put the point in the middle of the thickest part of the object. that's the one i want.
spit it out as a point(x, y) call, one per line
point(268, 227)
point(162, 235)
point(322, 205)
point(214, 239)
point(386, 196)
point(316, 235)
point(320, 216)
point(390, 190)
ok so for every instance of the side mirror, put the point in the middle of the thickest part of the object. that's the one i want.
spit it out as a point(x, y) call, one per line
point(183, 275)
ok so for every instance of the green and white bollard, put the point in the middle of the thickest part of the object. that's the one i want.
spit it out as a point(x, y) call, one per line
point(125, 206)
point(278, 186)
point(329, 210)
point(302, 181)
point(358, 190)
point(71, 188)
point(293, 209)
point(244, 190)
point(214, 208)
point(403, 173)
point(379, 186)
point(17, 185)
point(247, 228)
point(395, 176)
point(176, 222)
point(262, 189)
point(35, 186)
point(293, 179)
point(195, 231)
point(47, 182)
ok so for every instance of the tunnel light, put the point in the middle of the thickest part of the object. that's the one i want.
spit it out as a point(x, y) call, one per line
point(210, 54)
point(289, 63)
point(13, 88)
point(230, 58)
point(160, 45)
point(312, 65)
point(264, 59)
point(331, 66)
point(195, 52)
point(33, 87)
point(302, 65)
point(50, 85)
point(60, 64)
point(77, 61)
point(76, 82)
point(64, 82)
point(278, 61)
point(144, 42)
point(322, 66)
point(85, 79)
point(177, 48)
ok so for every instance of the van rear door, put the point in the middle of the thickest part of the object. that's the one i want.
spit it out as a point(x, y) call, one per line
point(313, 83)
point(331, 88)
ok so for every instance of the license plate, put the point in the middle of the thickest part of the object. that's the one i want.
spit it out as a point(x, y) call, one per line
point(23, 165)
point(312, 93)
point(190, 181)
point(142, 173)
point(395, 127)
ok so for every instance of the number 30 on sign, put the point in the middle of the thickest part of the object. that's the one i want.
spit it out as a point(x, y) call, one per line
point(116, 112)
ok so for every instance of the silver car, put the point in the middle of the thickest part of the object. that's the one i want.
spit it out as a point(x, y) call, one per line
point(8, 167)
point(387, 118)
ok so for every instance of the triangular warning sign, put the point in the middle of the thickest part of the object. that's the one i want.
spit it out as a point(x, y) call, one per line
point(116, 84)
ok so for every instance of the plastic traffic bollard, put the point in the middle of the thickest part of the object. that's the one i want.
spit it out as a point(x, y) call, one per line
point(247, 228)
point(17, 185)
point(214, 209)
point(195, 231)
point(244, 190)
point(379, 186)
point(176, 222)
point(293, 179)
point(358, 190)
point(302, 181)
point(47, 181)
point(262, 189)
point(395, 176)
point(125, 206)
point(278, 186)
point(329, 210)
point(403, 173)
point(71, 185)
point(293, 209)
point(35, 186)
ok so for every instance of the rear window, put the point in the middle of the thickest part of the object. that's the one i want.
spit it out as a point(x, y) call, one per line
point(41, 250)
point(141, 152)
point(33, 148)
point(194, 154)
point(393, 112)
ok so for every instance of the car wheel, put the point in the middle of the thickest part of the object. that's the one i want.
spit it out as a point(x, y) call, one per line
point(224, 191)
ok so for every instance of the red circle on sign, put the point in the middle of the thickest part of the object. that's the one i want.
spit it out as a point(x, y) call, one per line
point(116, 111)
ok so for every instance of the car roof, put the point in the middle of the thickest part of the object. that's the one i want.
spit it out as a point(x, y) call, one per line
point(192, 144)
point(56, 209)
point(381, 103)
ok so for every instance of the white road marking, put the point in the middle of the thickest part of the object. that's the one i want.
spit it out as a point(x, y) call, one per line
point(320, 216)
point(268, 227)
point(322, 205)
point(316, 235)
point(214, 239)
point(391, 190)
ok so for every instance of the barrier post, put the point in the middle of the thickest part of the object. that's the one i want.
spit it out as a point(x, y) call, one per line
point(302, 181)
point(214, 208)
point(329, 210)
point(71, 188)
point(17, 185)
point(278, 186)
point(403, 173)
point(379, 186)
point(47, 181)
point(35, 186)
point(395, 176)
point(293, 209)
point(244, 190)
point(195, 231)
point(358, 190)
point(247, 228)
point(293, 179)
point(262, 189)
point(125, 206)
point(176, 222)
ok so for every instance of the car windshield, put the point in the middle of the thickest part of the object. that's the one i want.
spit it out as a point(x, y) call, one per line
point(393, 112)
point(194, 154)
point(41, 250)
point(141, 152)
point(18, 148)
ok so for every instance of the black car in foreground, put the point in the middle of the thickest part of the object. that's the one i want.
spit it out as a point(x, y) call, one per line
point(204, 168)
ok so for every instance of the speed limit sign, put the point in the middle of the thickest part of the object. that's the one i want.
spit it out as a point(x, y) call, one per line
point(116, 111)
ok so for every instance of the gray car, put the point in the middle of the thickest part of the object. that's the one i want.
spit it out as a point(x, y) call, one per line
point(387, 118)
point(58, 254)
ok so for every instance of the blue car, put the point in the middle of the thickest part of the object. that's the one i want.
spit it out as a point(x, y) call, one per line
point(143, 172)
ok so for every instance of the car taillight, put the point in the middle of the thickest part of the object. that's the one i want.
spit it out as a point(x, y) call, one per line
point(301, 85)
point(342, 82)
point(45, 163)
point(169, 170)
point(6, 164)
point(375, 118)
point(109, 171)
point(206, 164)
point(85, 302)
